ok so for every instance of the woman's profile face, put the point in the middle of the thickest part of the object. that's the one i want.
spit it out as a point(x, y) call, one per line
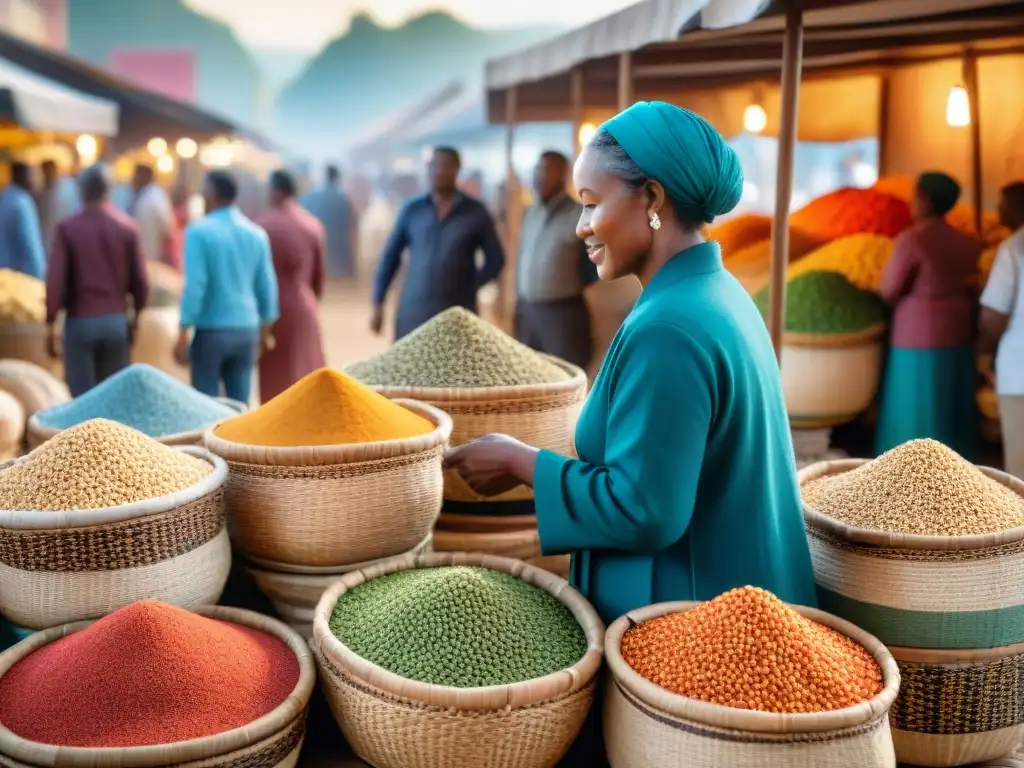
point(614, 223)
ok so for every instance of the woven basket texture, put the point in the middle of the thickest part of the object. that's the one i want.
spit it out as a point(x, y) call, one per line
point(828, 386)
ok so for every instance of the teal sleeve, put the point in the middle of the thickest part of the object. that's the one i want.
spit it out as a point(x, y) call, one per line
point(641, 499)
point(193, 293)
point(266, 283)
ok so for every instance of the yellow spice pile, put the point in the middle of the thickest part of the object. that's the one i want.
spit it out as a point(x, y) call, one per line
point(98, 463)
point(748, 650)
point(920, 487)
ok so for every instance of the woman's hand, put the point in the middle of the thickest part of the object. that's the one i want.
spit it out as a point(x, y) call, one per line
point(493, 464)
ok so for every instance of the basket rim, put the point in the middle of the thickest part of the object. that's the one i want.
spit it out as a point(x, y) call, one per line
point(513, 695)
point(818, 520)
point(203, 748)
point(577, 381)
point(284, 569)
point(834, 340)
point(346, 453)
point(37, 429)
point(49, 520)
point(955, 657)
point(718, 715)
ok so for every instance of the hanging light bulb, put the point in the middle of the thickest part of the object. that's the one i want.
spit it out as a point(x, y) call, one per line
point(186, 148)
point(958, 107)
point(87, 147)
point(755, 119)
point(586, 133)
point(157, 146)
point(165, 163)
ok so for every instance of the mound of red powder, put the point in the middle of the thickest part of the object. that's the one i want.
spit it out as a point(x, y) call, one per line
point(149, 673)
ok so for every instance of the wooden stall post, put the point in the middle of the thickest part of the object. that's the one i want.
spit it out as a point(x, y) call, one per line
point(970, 77)
point(884, 89)
point(576, 108)
point(792, 62)
point(513, 215)
point(626, 83)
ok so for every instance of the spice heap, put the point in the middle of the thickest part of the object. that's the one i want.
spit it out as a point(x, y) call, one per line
point(458, 626)
point(826, 303)
point(748, 650)
point(861, 259)
point(149, 673)
point(141, 397)
point(457, 349)
point(96, 464)
point(22, 298)
point(920, 487)
point(324, 408)
point(850, 211)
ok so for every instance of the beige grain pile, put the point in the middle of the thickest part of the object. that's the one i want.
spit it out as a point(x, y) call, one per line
point(920, 487)
point(96, 464)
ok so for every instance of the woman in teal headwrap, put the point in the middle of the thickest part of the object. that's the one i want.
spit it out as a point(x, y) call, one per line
point(931, 282)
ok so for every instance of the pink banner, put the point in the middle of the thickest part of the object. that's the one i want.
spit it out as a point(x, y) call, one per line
point(171, 72)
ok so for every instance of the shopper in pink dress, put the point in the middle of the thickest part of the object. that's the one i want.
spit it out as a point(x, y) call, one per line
point(297, 244)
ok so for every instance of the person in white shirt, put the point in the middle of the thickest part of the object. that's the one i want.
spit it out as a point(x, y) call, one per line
point(154, 214)
point(1002, 326)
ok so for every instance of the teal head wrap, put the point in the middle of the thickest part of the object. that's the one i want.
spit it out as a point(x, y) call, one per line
point(941, 190)
point(681, 150)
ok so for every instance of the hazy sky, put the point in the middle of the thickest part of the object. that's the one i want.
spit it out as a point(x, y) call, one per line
point(307, 24)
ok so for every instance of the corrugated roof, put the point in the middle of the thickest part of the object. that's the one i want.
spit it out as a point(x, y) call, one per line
point(40, 104)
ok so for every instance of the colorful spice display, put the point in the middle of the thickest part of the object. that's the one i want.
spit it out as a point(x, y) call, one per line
point(850, 211)
point(861, 259)
point(22, 298)
point(457, 349)
point(458, 626)
point(149, 673)
point(97, 464)
point(739, 232)
point(748, 650)
point(324, 408)
point(919, 487)
point(826, 303)
point(144, 398)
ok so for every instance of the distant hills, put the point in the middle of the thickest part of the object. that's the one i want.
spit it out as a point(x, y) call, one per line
point(371, 69)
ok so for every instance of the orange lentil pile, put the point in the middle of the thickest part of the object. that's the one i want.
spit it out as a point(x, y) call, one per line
point(748, 650)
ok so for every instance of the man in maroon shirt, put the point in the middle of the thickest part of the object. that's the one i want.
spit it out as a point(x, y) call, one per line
point(96, 263)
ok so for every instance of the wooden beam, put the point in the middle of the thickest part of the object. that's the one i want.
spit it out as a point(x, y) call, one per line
point(792, 60)
point(970, 76)
point(626, 84)
point(513, 214)
point(576, 108)
point(884, 89)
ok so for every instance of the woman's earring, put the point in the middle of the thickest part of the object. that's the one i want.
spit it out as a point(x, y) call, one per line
point(655, 221)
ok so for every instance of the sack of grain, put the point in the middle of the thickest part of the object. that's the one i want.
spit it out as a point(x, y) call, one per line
point(34, 387)
point(156, 338)
point(12, 426)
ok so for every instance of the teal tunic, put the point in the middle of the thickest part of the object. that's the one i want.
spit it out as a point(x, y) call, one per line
point(686, 482)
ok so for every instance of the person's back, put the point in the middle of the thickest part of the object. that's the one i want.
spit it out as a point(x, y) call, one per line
point(21, 240)
point(332, 207)
point(102, 246)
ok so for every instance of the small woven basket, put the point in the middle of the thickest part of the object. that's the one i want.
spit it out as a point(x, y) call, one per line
point(541, 415)
point(37, 433)
point(958, 707)
point(295, 595)
point(913, 591)
point(390, 720)
point(61, 567)
point(646, 725)
point(272, 741)
point(331, 506)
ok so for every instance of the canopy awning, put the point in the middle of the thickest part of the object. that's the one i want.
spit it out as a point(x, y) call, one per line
point(388, 127)
point(40, 104)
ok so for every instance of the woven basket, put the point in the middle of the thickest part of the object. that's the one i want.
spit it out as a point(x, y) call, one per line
point(60, 567)
point(646, 725)
point(911, 591)
point(392, 721)
point(37, 433)
point(330, 506)
point(520, 545)
point(295, 595)
point(830, 380)
point(273, 740)
point(541, 415)
point(958, 707)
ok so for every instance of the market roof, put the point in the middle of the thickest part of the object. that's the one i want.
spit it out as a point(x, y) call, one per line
point(143, 113)
point(388, 126)
point(683, 45)
point(40, 104)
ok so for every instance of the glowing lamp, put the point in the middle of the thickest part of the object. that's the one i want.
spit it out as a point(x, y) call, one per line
point(87, 147)
point(958, 107)
point(586, 133)
point(186, 148)
point(157, 146)
point(755, 119)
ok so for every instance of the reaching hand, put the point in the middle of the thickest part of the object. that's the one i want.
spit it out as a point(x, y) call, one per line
point(181, 351)
point(377, 320)
point(493, 464)
point(53, 344)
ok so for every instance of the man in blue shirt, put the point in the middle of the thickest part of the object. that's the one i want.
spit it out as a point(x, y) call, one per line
point(21, 239)
point(443, 231)
point(230, 294)
point(335, 211)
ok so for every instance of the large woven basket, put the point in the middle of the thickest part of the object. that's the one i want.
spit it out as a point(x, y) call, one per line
point(501, 535)
point(393, 721)
point(912, 591)
point(829, 380)
point(541, 415)
point(37, 433)
point(35, 387)
point(646, 725)
point(60, 567)
point(330, 506)
point(295, 595)
point(958, 707)
point(272, 741)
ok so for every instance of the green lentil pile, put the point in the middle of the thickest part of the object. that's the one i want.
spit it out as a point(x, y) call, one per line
point(826, 303)
point(458, 626)
point(920, 487)
point(457, 349)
